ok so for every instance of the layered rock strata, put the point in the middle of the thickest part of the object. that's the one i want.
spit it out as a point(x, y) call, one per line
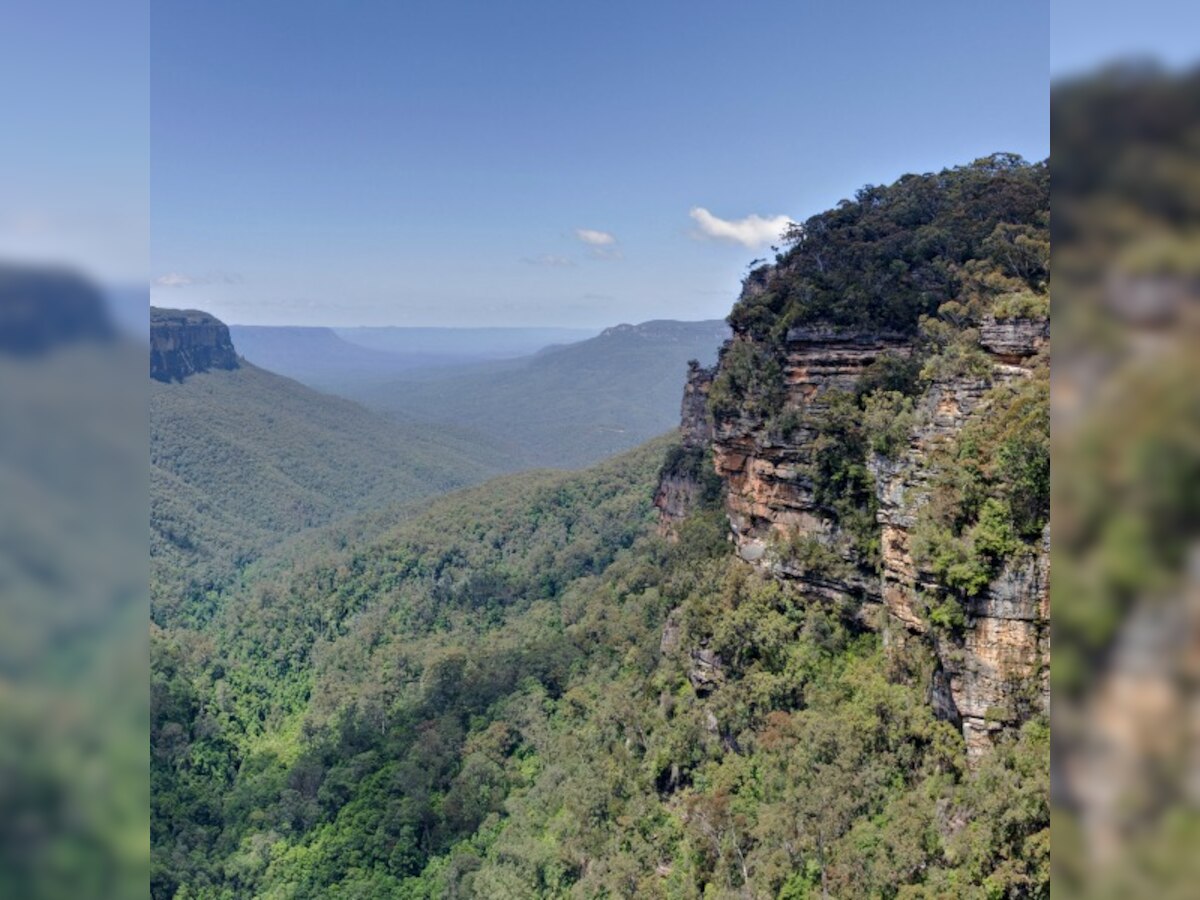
point(993, 672)
point(678, 486)
point(186, 341)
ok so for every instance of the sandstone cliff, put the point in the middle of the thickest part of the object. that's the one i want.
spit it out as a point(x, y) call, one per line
point(679, 484)
point(184, 342)
point(988, 673)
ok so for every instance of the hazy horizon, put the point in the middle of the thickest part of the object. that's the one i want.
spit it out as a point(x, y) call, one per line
point(122, 311)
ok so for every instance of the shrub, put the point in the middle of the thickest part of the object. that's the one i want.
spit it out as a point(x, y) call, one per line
point(810, 554)
point(888, 418)
point(1021, 305)
point(750, 381)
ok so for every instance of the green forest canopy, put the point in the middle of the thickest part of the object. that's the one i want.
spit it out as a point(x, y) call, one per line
point(895, 253)
point(482, 703)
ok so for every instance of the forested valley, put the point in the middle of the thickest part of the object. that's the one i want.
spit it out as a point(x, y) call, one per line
point(548, 686)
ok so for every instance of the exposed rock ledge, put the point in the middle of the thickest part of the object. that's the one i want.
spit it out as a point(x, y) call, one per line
point(186, 341)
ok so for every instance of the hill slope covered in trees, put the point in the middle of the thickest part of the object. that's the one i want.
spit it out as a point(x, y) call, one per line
point(242, 458)
point(498, 699)
point(566, 406)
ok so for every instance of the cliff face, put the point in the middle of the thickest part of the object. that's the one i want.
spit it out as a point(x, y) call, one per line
point(995, 672)
point(989, 674)
point(184, 342)
point(679, 485)
point(769, 489)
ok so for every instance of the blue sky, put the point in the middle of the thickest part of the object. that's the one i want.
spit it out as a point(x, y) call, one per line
point(75, 150)
point(1085, 33)
point(539, 163)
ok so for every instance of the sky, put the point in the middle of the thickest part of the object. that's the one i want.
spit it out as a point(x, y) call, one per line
point(75, 149)
point(549, 163)
point(1088, 33)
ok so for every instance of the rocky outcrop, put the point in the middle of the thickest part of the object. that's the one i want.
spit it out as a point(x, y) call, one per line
point(988, 675)
point(186, 341)
point(996, 668)
point(695, 424)
point(675, 498)
point(706, 672)
point(1012, 341)
point(820, 358)
point(679, 484)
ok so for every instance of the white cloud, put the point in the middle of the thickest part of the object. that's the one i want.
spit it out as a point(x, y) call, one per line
point(549, 260)
point(179, 280)
point(751, 231)
point(595, 238)
point(173, 279)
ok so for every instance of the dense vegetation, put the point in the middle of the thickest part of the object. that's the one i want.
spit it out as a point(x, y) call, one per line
point(243, 458)
point(898, 252)
point(526, 692)
point(74, 786)
point(1127, 512)
point(567, 406)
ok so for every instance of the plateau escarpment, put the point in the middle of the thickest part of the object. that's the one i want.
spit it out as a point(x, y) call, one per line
point(186, 341)
point(898, 469)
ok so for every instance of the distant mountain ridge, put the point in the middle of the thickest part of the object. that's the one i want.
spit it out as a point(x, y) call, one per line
point(664, 329)
point(464, 343)
point(343, 360)
point(320, 357)
point(566, 406)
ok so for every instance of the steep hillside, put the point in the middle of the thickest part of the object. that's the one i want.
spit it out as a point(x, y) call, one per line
point(566, 406)
point(525, 691)
point(241, 458)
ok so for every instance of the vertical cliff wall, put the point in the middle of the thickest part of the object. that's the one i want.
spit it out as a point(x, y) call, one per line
point(990, 670)
point(186, 341)
point(994, 669)
point(680, 483)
